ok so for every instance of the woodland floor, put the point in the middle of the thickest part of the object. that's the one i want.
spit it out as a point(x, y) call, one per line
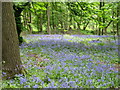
point(68, 61)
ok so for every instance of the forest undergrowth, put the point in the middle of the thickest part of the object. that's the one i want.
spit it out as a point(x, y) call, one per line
point(68, 61)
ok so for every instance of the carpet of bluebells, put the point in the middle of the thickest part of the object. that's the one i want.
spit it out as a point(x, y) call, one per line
point(67, 61)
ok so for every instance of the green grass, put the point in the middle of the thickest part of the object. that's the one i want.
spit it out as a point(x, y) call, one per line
point(67, 61)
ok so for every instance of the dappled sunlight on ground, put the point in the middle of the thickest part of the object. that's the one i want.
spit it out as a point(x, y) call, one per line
point(64, 61)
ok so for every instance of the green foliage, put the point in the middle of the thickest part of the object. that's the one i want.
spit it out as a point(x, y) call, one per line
point(86, 60)
point(63, 15)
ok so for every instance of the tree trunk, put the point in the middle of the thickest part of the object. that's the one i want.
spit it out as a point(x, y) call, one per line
point(113, 23)
point(53, 24)
point(25, 19)
point(118, 16)
point(41, 22)
point(104, 31)
point(108, 26)
point(17, 11)
point(48, 17)
point(70, 23)
point(11, 63)
point(78, 24)
point(100, 19)
point(30, 20)
point(85, 26)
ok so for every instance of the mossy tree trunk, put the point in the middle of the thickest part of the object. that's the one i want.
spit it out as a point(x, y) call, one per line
point(11, 63)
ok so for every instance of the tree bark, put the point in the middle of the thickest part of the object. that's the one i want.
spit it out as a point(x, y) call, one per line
point(30, 18)
point(41, 17)
point(113, 23)
point(100, 18)
point(17, 11)
point(85, 26)
point(48, 17)
point(118, 16)
point(104, 31)
point(11, 63)
point(107, 26)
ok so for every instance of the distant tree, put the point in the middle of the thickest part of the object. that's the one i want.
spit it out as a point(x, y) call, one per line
point(11, 63)
point(48, 17)
point(118, 17)
point(38, 10)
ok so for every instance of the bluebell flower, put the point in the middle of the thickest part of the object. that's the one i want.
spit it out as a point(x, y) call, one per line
point(22, 80)
point(64, 85)
point(58, 68)
point(98, 80)
point(72, 83)
point(85, 57)
point(19, 75)
point(4, 73)
point(35, 86)
point(89, 81)
point(26, 86)
point(91, 86)
point(11, 81)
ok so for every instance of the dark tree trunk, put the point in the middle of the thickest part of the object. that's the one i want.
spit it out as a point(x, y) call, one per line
point(100, 19)
point(104, 31)
point(17, 11)
point(85, 26)
point(11, 63)
point(118, 16)
point(30, 18)
point(108, 25)
point(78, 24)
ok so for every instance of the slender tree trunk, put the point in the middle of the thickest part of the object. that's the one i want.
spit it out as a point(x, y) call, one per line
point(48, 18)
point(29, 22)
point(96, 26)
point(113, 23)
point(30, 19)
point(78, 24)
point(70, 22)
point(100, 19)
point(104, 31)
point(11, 63)
point(41, 22)
point(24, 19)
point(53, 24)
point(85, 26)
point(108, 25)
point(118, 16)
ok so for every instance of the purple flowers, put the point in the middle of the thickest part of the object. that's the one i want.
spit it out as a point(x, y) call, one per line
point(26, 86)
point(35, 86)
point(95, 41)
point(74, 61)
point(22, 80)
